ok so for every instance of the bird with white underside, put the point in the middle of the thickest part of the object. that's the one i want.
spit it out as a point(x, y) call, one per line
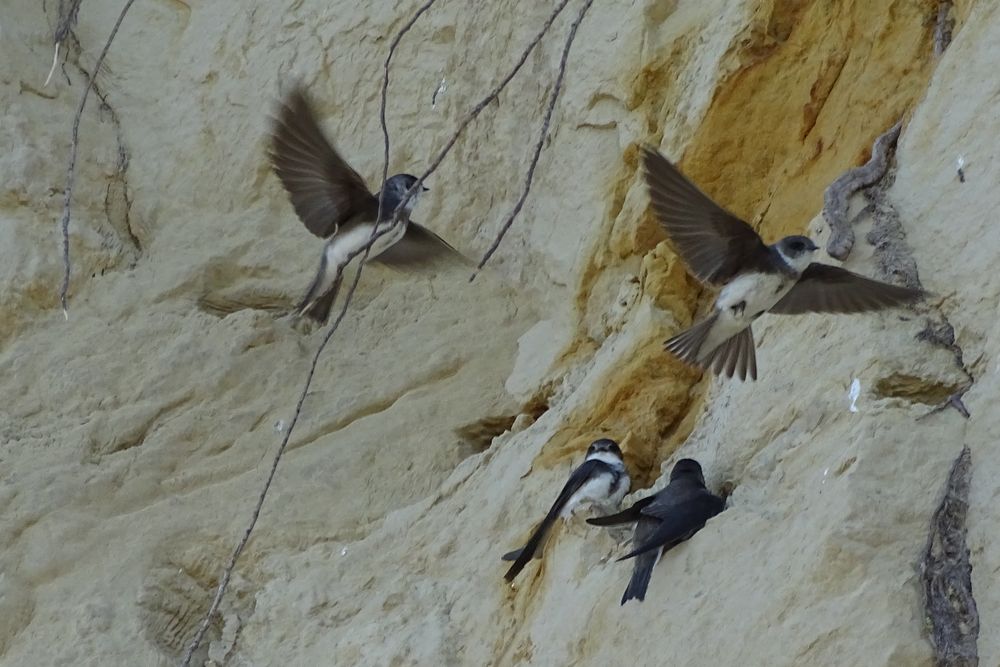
point(334, 203)
point(722, 250)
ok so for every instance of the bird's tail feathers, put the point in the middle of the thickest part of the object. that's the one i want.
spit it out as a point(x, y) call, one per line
point(641, 573)
point(736, 355)
point(687, 344)
point(319, 309)
point(533, 549)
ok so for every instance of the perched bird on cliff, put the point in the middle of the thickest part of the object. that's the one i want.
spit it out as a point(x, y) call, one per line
point(601, 479)
point(664, 520)
point(722, 250)
point(334, 203)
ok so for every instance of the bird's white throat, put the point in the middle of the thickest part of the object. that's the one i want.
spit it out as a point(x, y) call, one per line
point(607, 457)
point(798, 263)
point(413, 200)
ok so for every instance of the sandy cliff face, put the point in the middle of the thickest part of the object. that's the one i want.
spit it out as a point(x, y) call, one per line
point(444, 416)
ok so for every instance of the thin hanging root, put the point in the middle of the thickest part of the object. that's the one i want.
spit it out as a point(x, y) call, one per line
point(538, 145)
point(71, 169)
point(227, 572)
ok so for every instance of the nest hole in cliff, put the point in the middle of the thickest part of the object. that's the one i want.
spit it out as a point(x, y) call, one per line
point(915, 389)
point(726, 489)
point(476, 437)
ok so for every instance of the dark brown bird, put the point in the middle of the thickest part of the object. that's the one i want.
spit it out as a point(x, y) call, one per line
point(722, 250)
point(664, 520)
point(334, 203)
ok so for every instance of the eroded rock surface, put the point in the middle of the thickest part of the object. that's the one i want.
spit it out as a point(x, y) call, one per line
point(444, 415)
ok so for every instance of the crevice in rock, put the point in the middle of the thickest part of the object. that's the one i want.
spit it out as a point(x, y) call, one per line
point(726, 489)
point(135, 429)
point(940, 333)
point(226, 285)
point(914, 389)
point(895, 263)
point(117, 207)
point(946, 574)
point(820, 91)
point(222, 305)
point(944, 24)
point(845, 465)
point(894, 260)
point(476, 437)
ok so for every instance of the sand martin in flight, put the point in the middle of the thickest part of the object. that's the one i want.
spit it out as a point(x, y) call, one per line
point(601, 479)
point(722, 250)
point(664, 520)
point(334, 203)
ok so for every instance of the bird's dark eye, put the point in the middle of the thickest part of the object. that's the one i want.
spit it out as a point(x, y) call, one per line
point(797, 246)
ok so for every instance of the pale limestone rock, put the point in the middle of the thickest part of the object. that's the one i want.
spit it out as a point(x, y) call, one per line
point(538, 349)
point(136, 435)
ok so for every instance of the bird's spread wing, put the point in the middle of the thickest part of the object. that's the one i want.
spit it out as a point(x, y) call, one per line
point(830, 289)
point(625, 516)
point(678, 522)
point(584, 473)
point(420, 247)
point(323, 188)
point(714, 243)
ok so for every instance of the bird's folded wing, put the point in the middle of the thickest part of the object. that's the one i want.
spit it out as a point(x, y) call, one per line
point(830, 289)
point(714, 243)
point(668, 504)
point(583, 474)
point(325, 191)
point(683, 521)
point(420, 248)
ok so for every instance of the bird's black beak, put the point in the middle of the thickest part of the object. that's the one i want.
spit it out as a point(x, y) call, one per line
point(425, 188)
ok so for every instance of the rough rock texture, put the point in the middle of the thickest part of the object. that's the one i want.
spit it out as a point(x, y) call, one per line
point(136, 434)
